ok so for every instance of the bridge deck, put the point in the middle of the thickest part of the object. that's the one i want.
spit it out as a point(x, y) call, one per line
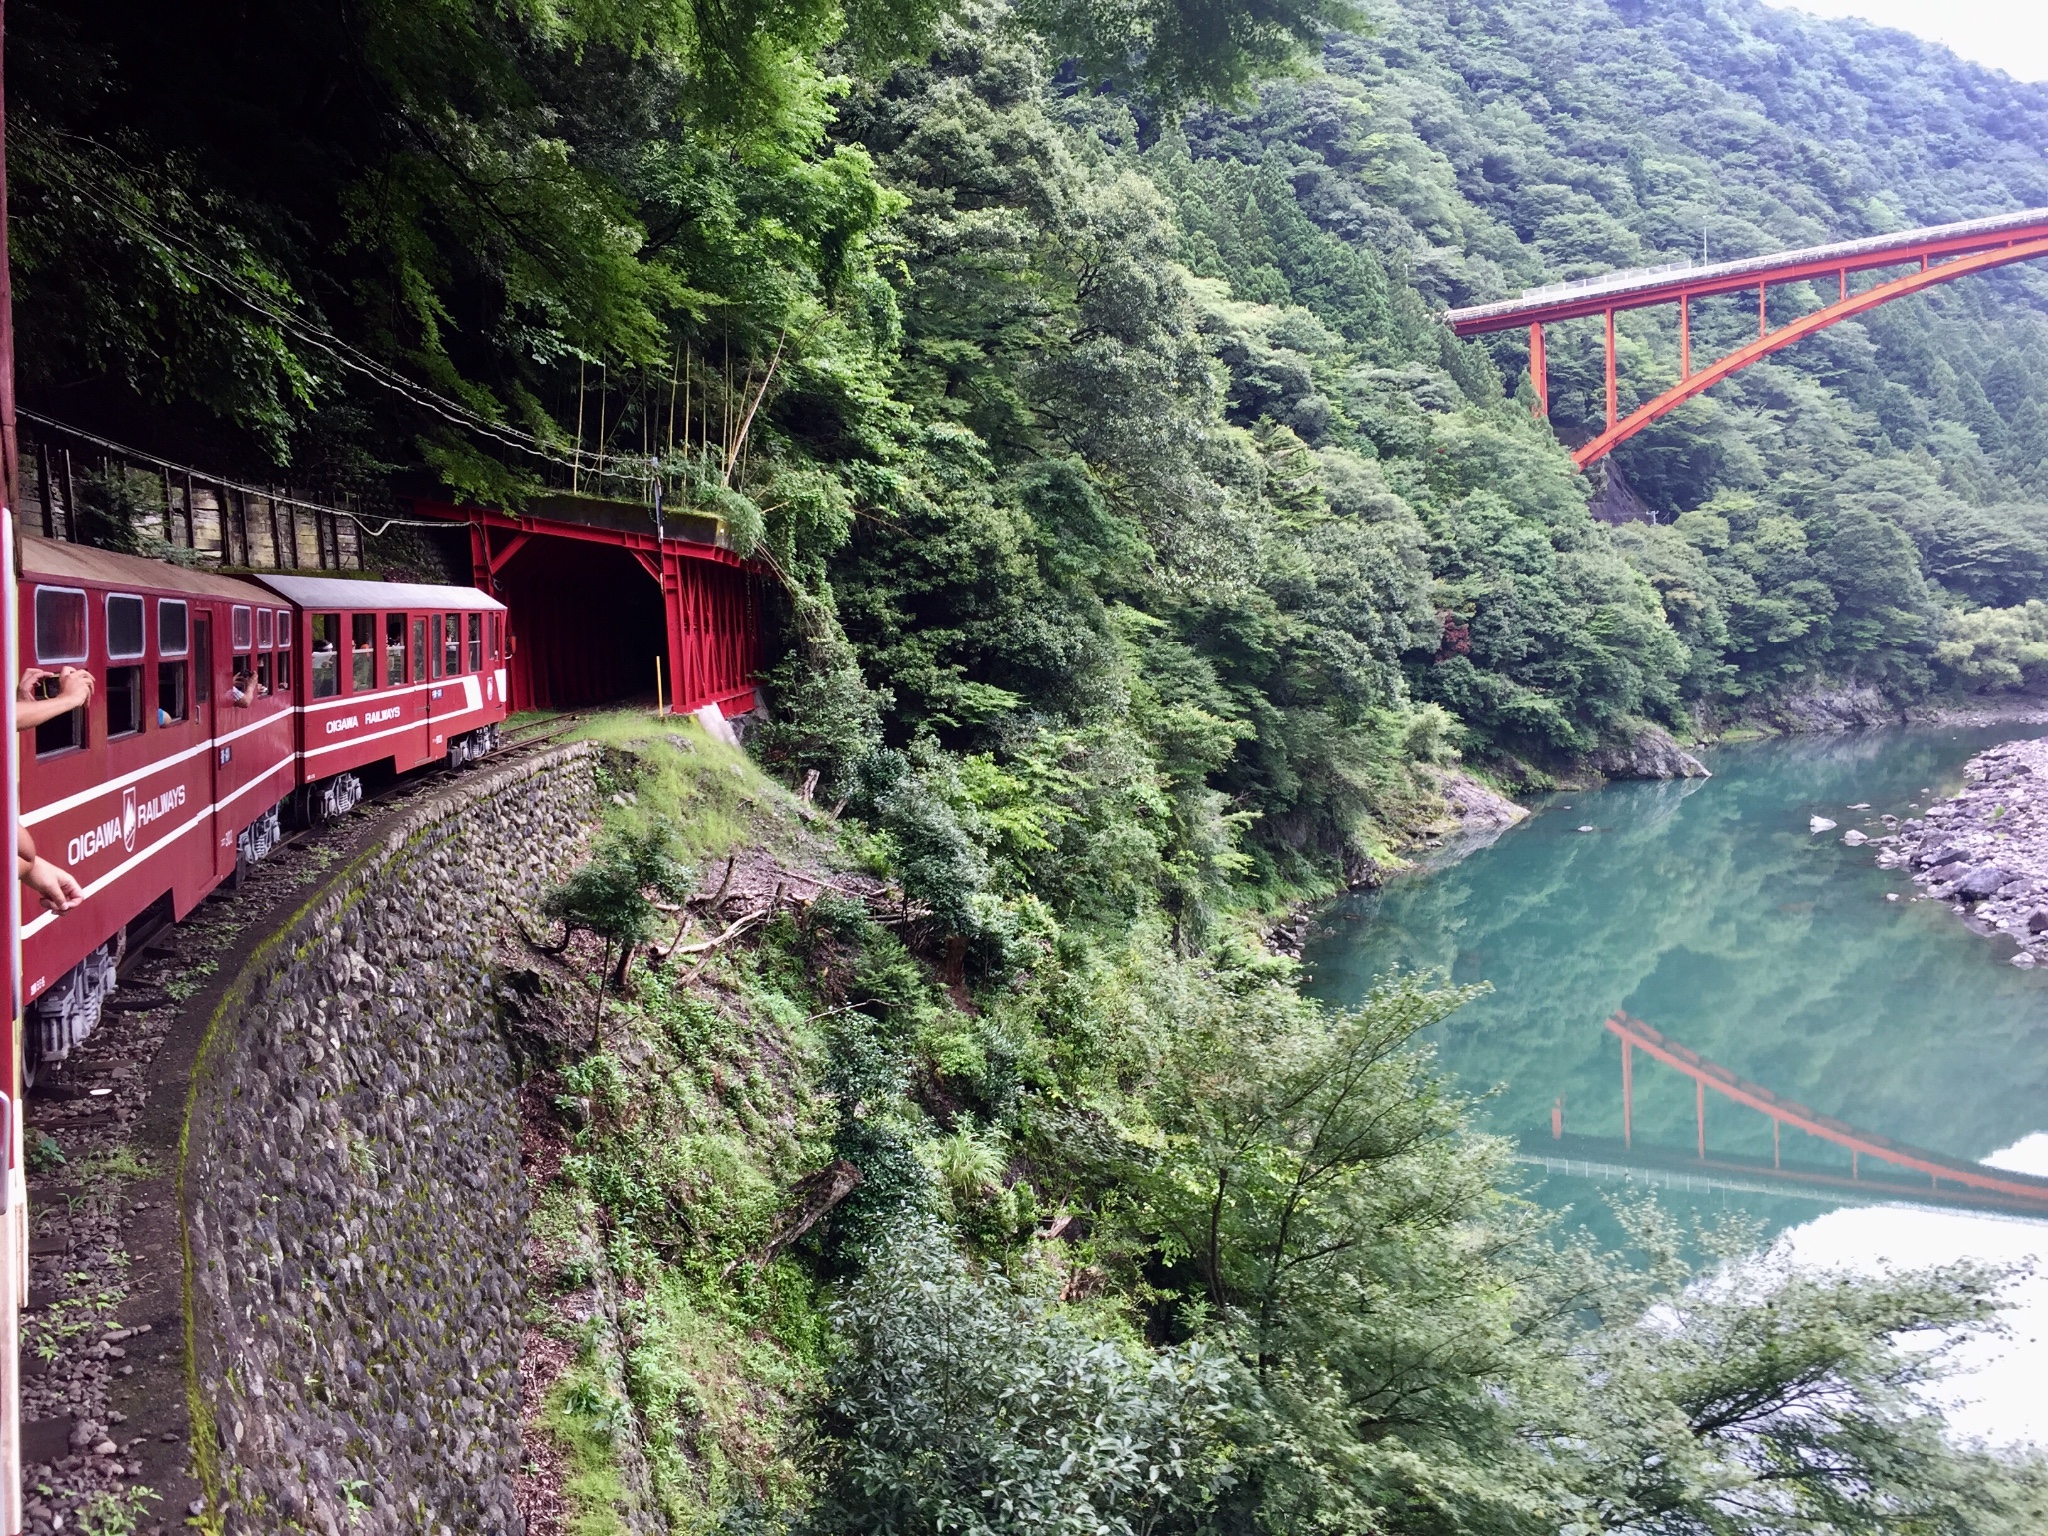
point(1637, 288)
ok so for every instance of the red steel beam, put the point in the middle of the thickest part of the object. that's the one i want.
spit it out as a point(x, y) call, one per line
point(1739, 276)
point(1706, 1074)
point(1843, 309)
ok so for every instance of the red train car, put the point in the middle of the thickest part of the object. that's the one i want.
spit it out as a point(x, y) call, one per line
point(222, 709)
point(157, 787)
point(391, 676)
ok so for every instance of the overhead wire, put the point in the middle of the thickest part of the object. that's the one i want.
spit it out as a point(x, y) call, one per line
point(208, 477)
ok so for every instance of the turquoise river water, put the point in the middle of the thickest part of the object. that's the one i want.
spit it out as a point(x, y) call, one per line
point(1707, 909)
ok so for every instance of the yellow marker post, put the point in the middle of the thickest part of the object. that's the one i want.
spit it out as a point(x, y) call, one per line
point(658, 709)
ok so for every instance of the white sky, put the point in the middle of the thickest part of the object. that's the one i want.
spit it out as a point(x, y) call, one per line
point(2011, 35)
point(1998, 1396)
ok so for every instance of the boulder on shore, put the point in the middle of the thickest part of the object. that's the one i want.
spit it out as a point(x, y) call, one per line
point(1645, 751)
point(1980, 882)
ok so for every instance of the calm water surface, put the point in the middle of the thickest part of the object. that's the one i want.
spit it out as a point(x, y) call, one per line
point(1707, 909)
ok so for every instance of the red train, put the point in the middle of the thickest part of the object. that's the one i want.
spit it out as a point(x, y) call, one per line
point(223, 710)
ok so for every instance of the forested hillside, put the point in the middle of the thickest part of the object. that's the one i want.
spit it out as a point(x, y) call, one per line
point(1144, 548)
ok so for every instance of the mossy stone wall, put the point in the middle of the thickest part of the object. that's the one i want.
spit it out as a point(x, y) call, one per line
point(350, 1182)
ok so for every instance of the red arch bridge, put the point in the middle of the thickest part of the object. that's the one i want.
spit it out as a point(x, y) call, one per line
point(1938, 254)
point(1901, 1171)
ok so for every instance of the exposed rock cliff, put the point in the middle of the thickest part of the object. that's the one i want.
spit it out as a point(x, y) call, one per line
point(1847, 708)
point(1646, 751)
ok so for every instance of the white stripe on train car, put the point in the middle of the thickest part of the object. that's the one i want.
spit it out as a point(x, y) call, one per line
point(357, 741)
point(472, 691)
point(58, 807)
point(28, 930)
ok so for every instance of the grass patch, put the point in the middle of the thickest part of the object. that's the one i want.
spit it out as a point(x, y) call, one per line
point(710, 796)
point(586, 1417)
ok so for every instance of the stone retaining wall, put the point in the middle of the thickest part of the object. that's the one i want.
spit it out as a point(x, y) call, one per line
point(350, 1182)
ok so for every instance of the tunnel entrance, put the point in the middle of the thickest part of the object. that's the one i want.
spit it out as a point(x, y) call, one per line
point(587, 624)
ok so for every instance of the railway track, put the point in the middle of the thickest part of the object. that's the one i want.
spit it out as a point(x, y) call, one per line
point(153, 926)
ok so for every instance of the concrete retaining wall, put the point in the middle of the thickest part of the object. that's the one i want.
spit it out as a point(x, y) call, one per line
point(350, 1182)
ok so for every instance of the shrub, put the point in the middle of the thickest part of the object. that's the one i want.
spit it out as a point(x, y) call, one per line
point(963, 1405)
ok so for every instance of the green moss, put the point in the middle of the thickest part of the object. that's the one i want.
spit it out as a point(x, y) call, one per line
point(583, 1415)
point(718, 1376)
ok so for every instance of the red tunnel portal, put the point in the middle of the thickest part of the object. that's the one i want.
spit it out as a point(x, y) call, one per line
point(597, 599)
point(587, 624)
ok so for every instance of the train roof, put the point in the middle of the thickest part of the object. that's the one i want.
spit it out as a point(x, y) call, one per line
point(80, 562)
point(339, 592)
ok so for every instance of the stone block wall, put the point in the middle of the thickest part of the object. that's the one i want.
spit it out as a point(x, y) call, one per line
point(351, 1187)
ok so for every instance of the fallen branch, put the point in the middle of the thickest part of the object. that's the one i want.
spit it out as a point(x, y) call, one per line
point(537, 946)
point(717, 896)
point(682, 931)
point(815, 1196)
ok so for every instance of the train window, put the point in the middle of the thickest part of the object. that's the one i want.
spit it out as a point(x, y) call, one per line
point(284, 629)
point(242, 637)
point(262, 673)
point(64, 732)
point(362, 645)
point(60, 625)
point(394, 649)
point(124, 626)
point(171, 703)
point(435, 648)
point(202, 659)
point(326, 654)
point(124, 701)
point(451, 658)
point(419, 650)
point(262, 629)
point(476, 642)
point(173, 627)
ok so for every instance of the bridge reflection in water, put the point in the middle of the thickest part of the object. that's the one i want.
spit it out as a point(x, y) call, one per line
point(1903, 1171)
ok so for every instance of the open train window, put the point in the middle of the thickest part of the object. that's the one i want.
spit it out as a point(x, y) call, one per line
point(242, 637)
point(434, 645)
point(262, 629)
point(60, 626)
point(451, 657)
point(63, 733)
point(124, 627)
point(263, 677)
point(284, 629)
point(326, 629)
point(476, 642)
point(394, 649)
point(284, 650)
point(362, 645)
point(173, 627)
point(172, 703)
point(202, 659)
point(124, 701)
point(419, 650)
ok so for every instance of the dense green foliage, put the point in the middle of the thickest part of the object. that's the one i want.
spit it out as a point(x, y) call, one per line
point(1147, 1242)
point(1146, 548)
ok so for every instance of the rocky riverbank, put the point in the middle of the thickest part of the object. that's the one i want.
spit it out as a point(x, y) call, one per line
point(1985, 850)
